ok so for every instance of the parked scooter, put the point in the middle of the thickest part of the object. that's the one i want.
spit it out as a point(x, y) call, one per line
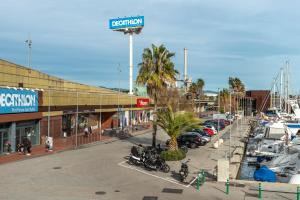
point(137, 156)
point(161, 165)
point(184, 170)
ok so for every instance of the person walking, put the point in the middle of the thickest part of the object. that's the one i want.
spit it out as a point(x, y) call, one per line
point(90, 130)
point(86, 131)
point(27, 146)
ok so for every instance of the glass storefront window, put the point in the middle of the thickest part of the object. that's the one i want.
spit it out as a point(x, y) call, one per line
point(29, 129)
point(4, 138)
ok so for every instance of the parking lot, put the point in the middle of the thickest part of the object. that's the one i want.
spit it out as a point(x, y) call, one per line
point(101, 172)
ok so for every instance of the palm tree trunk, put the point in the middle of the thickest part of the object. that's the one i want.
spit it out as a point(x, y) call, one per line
point(173, 144)
point(154, 122)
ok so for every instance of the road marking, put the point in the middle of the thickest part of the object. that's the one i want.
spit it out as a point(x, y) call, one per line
point(165, 179)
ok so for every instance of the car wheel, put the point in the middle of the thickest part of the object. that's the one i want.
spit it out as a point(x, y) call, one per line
point(193, 145)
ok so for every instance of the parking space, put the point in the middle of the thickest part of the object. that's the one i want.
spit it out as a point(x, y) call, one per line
point(99, 172)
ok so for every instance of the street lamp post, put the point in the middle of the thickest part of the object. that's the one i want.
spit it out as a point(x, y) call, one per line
point(49, 97)
point(76, 130)
point(230, 126)
point(119, 121)
point(218, 120)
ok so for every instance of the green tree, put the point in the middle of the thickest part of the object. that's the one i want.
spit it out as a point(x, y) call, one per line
point(236, 85)
point(224, 100)
point(175, 123)
point(238, 89)
point(156, 72)
point(196, 89)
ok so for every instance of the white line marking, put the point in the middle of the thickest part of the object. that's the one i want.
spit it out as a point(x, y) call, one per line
point(192, 182)
point(166, 179)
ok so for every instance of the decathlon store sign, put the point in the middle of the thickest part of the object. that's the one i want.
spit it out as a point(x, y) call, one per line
point(17, 101)
point(127, 22)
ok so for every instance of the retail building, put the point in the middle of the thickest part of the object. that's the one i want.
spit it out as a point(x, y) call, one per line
point(34, 105)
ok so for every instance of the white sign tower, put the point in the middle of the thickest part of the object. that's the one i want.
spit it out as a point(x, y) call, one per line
point(128, 25)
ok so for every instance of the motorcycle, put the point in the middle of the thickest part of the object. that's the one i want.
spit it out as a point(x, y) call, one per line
point(184, 170)
point(153, 161)
point(137, 156)
point(161, 165)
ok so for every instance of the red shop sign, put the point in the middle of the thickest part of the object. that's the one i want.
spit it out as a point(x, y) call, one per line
point(142, 102)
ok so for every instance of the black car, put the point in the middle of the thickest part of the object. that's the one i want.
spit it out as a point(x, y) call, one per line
point(201, 132)
point(190, 139)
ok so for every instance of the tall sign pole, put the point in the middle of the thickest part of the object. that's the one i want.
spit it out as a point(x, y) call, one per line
point(130, 63)
point(128, 25)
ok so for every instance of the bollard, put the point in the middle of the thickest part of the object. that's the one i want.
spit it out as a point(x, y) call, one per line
point(227, 186)
point(259, 191)
point(203, 177)
point(298, 193)
point(198, 182)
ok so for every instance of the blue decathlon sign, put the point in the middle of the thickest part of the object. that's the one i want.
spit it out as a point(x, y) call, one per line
point(127, 22)
point(18, 101)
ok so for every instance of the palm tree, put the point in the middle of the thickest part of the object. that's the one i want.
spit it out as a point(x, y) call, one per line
point(196, 89)
point(224, 99)
point(238, 88)
point(236, 85)
point(174, 123)
point(156, 72)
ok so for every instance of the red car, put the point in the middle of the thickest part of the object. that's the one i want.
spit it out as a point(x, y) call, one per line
point(208, 131)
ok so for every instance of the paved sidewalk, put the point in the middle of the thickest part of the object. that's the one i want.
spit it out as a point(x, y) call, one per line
point(63, 144)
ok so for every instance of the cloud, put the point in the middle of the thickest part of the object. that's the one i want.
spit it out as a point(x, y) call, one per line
point(71, 39)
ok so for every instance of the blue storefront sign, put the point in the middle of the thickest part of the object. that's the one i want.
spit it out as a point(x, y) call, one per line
point(18, 101)
point(127, 22)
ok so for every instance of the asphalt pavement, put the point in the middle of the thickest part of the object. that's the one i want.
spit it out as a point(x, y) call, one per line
point(101, 172)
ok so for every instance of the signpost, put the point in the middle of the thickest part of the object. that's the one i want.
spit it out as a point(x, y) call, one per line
point(127, 22)
point(128, 25)
point(142, 102)
point(18, 101)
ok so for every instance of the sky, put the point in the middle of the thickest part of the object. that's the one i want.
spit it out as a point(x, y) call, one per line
point(249, 39)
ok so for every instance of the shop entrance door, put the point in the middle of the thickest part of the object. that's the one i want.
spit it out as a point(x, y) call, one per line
point(22, 132)
point(3, 139)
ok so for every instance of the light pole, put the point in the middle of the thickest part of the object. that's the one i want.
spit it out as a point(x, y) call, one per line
point(119, 72)
point(76, 131)
point(49, 97)
point(100, 116)
point(29, 43)
point(229, 157)
point(218, 119)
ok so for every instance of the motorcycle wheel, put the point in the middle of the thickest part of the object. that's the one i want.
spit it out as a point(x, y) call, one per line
point(131, 161)
point(166, 168)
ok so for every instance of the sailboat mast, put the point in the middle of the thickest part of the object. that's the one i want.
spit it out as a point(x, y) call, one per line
point(281, 88)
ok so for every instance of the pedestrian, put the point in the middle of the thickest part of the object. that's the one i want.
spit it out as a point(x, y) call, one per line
point(8, 147)
point(20, 147)
point(29, 147)
point(86, 131)
point(90, 130)
point(25, 144)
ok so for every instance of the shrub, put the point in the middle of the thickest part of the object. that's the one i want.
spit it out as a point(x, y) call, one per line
point(173, 155)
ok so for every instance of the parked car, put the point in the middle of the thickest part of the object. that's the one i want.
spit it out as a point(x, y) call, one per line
point(215, 124)
point(204, 135)
point(212, 128)
point(209, 131)
point(191, 139)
